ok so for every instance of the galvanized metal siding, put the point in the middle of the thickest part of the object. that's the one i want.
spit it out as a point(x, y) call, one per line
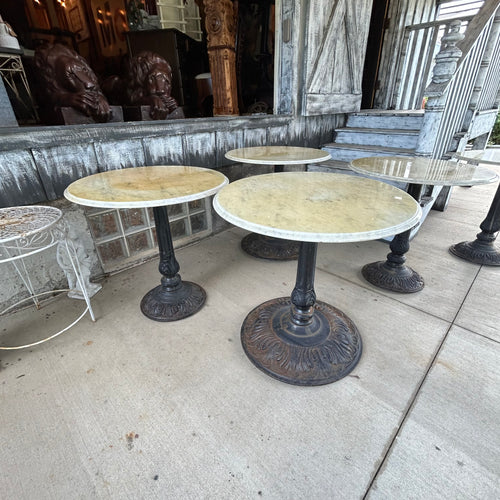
point(68, 162)
point(20, 179)
point(158, 151)
point(225, 140)
point(36, 165)
point(112, 155)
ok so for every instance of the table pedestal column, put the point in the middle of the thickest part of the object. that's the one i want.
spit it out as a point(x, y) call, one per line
point(482, 250)
point(393, 274)
point(174, 299)
point(299, 340)
point(266, 247)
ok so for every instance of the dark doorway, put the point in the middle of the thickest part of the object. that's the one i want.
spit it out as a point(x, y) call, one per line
point(255, 56)
point(373, 52)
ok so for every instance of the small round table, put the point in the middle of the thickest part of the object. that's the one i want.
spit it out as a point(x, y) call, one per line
point(298, 339)
point(483, 250)
point(265, 247)
point(29, 230)
point(393, 274)
point(155, 187)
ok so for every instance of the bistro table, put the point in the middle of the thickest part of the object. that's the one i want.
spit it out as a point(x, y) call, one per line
point(258, 245)
point(155, 187)
point(393, 274)
point(483, 250)
point(298, 339)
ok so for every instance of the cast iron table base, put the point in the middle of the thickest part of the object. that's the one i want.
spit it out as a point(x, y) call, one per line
point(477, 251)
point(393, 274)
point(482, 250)
point(174, 299)
point(267, 247)
point(299, 340)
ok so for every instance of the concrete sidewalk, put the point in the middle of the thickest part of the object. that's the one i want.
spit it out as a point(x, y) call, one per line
point(131, 408)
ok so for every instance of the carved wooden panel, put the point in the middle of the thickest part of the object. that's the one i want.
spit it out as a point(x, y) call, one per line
point(336, 38)
point(220, 24)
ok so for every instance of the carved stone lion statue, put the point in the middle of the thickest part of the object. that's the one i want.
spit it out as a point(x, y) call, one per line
point(146, 80)
point(68, 81)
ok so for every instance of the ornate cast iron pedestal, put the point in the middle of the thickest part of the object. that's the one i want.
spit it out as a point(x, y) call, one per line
point(266, 247)
point(394, 274)
point(174, 299)
point(299, 340)
point(482, 250)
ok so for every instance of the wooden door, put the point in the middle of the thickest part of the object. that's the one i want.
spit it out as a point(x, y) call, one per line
point(334, 55)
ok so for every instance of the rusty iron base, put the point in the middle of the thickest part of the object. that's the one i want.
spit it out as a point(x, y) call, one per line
point(397, 278)
point(322, 352)
point(478, 252)
point(167, 303)
point(266, 247)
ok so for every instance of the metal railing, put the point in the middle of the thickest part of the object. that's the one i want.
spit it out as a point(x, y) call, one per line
point(419, 46)
point(489, 94)
point(459, 93)
point(451, 67)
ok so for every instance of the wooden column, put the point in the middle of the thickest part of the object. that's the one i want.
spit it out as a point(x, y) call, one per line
point(221, 25)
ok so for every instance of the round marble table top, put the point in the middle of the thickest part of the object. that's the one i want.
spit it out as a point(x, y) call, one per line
point(278, 155)
point(317, 207)
point(420, 170)
point(145, 186)
point(479, 158)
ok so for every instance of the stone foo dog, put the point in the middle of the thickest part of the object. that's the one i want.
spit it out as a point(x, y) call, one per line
point(68, 81)
point(146, 80)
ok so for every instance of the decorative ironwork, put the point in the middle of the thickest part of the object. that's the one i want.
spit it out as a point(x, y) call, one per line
point(477, 251)
point(174, 299)
point(298, 340)
point(28, 230)
point(265, 247)
point(394, 274)
point(482, 250)
point(12, 71)
point(401, 278)
point(320, 353)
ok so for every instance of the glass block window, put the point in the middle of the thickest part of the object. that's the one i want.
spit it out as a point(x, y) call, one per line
point(127, 237)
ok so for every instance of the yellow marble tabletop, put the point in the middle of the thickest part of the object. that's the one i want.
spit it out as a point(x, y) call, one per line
point(420, 170)
point(278, 155)
point(145, 186)
point(317, 207)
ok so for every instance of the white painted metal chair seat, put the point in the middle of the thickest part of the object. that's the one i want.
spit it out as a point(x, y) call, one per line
point(28, 230)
